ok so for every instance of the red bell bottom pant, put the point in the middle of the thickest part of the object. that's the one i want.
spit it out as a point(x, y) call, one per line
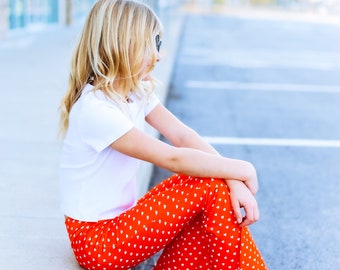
point(190, 218)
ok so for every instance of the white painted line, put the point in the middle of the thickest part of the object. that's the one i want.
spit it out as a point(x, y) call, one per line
point(273, 142)
point(229, 85)
point(252, 58)
point(257, 64)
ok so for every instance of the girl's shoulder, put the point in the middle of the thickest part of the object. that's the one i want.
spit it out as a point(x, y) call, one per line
point(95, 97)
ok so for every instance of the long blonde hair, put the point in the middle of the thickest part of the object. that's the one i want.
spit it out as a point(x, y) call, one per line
point(115, 40)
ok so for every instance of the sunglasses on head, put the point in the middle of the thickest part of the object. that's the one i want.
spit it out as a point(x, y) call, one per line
point(158, 43)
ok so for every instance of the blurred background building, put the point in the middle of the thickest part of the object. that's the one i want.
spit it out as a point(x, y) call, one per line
point(27, 14)
point(16, 15)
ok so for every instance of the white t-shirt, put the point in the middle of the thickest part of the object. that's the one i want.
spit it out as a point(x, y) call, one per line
point(97, 182)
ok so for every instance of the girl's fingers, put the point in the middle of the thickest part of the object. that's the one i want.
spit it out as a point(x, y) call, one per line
point(237, 210)
point(252, 215)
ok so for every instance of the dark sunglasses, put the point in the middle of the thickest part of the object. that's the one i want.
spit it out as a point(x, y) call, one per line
point(158, 43)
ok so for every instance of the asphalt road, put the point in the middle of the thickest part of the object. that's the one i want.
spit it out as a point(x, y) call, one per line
point(268, 91)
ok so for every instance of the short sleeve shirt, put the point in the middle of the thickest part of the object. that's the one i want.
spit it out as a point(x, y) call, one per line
point(96, 181)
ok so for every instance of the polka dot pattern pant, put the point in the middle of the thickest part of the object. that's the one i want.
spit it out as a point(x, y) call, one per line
point(190, 218)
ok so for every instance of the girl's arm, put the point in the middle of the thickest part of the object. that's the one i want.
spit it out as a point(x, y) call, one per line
point(191, 155)
point(175, 131)
point(181, 135)
point(178, 133)
point(189, 161)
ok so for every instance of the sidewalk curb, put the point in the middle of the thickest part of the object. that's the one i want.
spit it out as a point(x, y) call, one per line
point(163, 72)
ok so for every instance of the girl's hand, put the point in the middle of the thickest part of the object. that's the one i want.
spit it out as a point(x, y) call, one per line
point(241, 197)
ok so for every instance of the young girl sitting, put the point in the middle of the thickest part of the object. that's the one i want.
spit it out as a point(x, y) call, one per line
point(195, 215)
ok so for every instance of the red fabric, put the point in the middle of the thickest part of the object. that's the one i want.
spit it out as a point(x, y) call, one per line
point(191, 218)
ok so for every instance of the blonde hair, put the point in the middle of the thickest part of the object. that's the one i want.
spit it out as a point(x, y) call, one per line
point(117, 36)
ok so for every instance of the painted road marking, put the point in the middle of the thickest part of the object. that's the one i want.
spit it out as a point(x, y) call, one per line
point(273, 142)
point(311, 60)
point(230, 85)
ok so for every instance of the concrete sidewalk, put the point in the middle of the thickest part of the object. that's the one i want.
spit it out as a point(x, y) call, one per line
point(34, 70)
